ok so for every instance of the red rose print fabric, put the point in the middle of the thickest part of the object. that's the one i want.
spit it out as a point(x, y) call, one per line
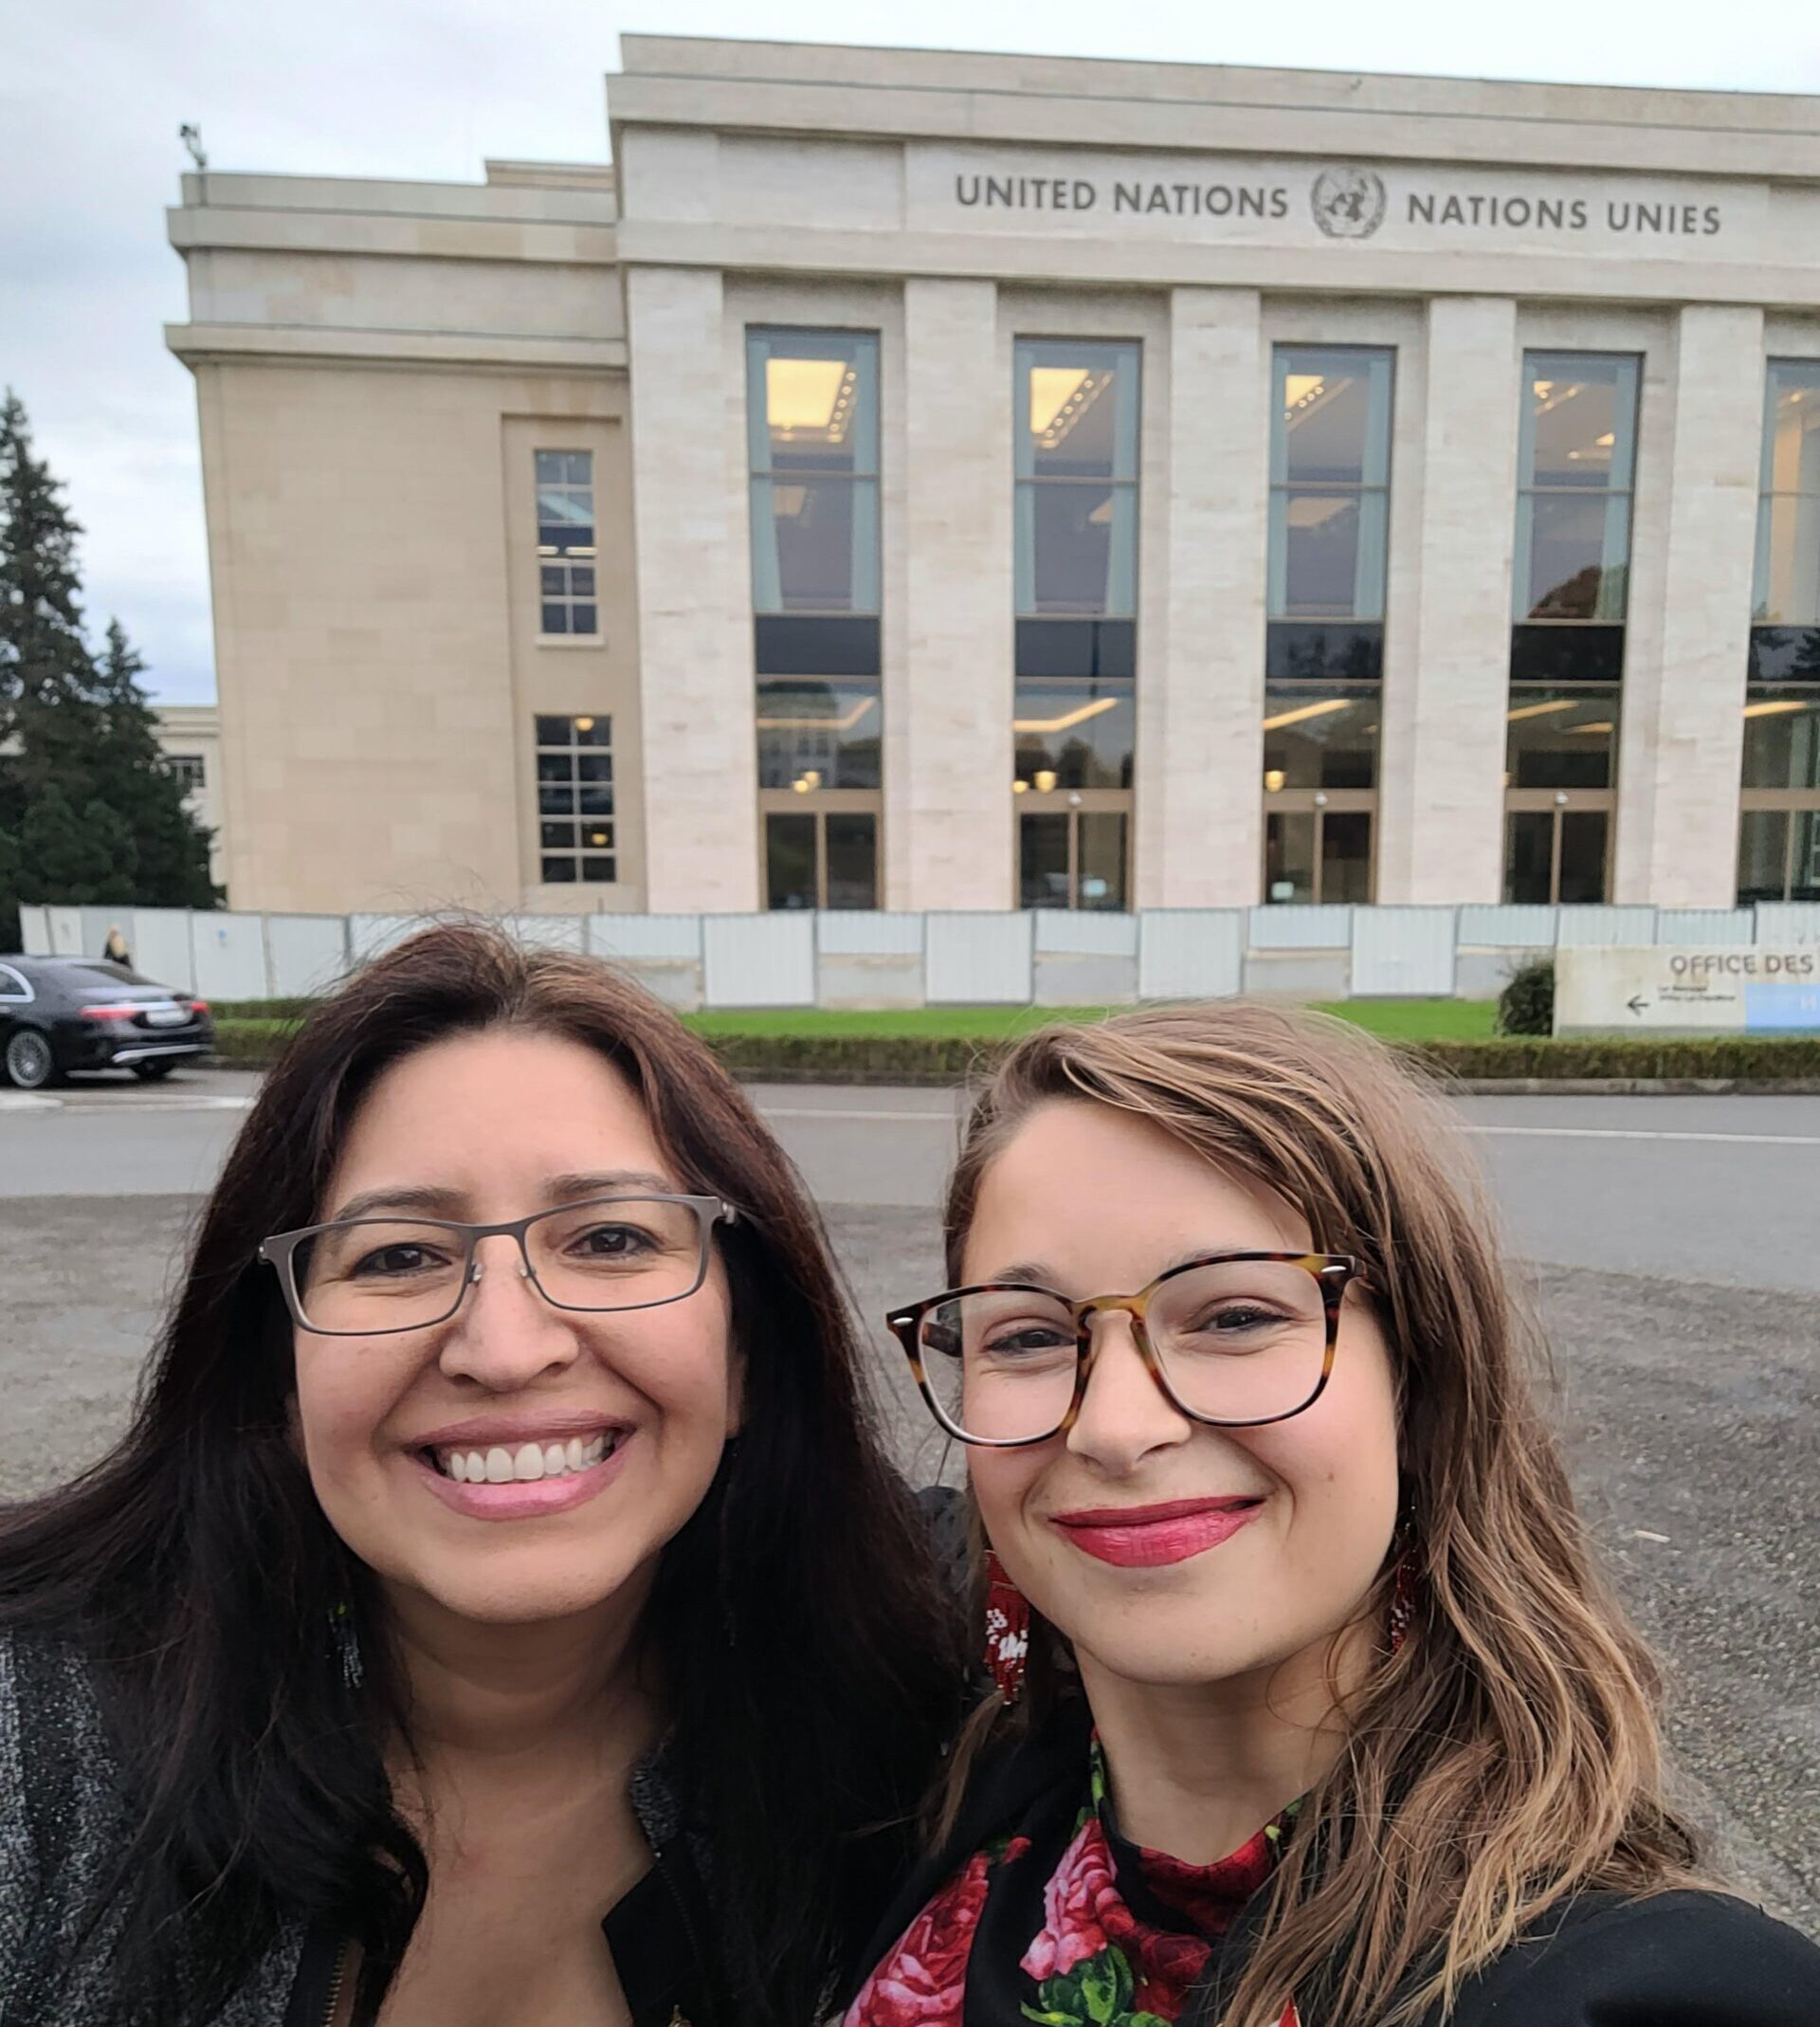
point(1093, 1962)
point(923, 1981)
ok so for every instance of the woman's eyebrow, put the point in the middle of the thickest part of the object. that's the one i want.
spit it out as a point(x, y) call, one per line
point(440, 1201)
point(609, 1183)
point(430, 1198)
point(1024, 1272)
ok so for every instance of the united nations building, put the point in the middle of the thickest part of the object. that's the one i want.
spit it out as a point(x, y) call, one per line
point(920, 482)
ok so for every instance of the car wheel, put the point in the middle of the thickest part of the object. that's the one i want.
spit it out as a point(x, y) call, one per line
point(29, 1062)
point(153, 1072)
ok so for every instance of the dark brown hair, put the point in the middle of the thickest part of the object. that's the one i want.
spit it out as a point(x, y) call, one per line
point(1508, 1755)
point(810, 1658)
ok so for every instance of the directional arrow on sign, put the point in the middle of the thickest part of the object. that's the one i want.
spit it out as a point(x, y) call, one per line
point(1636, 1002)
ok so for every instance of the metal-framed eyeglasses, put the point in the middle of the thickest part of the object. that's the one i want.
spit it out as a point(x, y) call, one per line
point(377, 1276)
point(1233, 1340)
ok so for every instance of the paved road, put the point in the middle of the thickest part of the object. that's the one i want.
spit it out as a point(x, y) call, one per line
point(1674, 1265)
point(1704, 1189)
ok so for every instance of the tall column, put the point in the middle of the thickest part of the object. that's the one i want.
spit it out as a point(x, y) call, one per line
point(694, 575)
point(949, 726)
point(1200, 687)
point(1681, 727)
point(1442, 762)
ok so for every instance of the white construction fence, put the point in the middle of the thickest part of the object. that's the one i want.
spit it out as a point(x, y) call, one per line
point(851, 960)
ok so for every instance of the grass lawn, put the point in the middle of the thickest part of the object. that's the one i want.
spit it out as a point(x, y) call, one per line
point(1397, 1019)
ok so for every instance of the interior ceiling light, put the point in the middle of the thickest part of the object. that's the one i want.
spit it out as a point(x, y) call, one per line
point(1067, 722)
point(809, 398)
point(1311, 510)
point(820, 725)
point(1774, 706)
point(1051, 389)
point(1305, 394)
point(1541, 710)
point(1084, 388)
point(1303, 712)
point(1606, 725)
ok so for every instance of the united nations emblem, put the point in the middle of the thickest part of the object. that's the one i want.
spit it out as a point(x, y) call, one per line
point(1348, 203)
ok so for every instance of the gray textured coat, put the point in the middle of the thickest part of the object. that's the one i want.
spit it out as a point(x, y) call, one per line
point(61, 1823)
point(59, 1828)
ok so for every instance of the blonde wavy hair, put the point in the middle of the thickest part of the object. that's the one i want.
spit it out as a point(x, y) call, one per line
point(1507, 1757)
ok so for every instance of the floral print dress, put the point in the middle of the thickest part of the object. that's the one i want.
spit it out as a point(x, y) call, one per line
point(1120, 1935)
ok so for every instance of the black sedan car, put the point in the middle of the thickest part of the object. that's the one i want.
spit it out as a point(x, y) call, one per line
point(65, 1013)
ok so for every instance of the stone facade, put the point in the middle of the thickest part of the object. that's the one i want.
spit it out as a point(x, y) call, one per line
point(378, 364)
point(189, 736)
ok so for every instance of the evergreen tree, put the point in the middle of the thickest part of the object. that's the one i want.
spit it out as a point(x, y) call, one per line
point(75, 735)
point(63, 850)
point(128, 770)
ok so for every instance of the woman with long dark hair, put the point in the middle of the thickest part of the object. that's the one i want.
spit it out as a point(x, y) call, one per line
point(499, 1609)
point(1313, 1707)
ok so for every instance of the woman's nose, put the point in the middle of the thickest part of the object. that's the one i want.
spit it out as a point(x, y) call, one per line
point(1124, 1414)
point(505, 1334)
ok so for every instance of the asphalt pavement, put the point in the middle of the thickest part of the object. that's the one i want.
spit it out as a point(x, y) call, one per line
point(1669, 1244)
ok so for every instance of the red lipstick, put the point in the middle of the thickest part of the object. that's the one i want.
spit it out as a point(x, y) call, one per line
point(1146, 1537)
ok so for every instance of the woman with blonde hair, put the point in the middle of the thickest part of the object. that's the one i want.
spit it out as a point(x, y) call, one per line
point(1311, 1704)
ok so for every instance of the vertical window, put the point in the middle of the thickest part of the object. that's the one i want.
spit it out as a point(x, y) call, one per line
point(1576, 469)
point(813, 431)
point(1778, 842)
point(567, 553)
point(1077, 479)
point(1075, 411)
point(1320, 791)
point(189, 769)
point(1577, 460)
point(1787, 592)
point(1330, 479)
point(812, 442)
point(1779, 857)
point(576, 832)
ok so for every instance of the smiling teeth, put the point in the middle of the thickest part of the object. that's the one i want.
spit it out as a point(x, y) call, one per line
point(527, 1463)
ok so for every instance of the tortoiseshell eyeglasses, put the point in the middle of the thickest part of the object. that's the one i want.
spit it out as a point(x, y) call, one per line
point(1235, 1339)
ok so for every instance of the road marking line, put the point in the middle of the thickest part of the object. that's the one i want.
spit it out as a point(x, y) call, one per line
point(28, 1101)
point(1638, 1133)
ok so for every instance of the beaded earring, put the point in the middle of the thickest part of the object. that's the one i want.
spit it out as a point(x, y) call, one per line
point(1008, 1629)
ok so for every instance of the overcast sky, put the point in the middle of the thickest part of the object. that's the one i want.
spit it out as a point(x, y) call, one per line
point(92, 93)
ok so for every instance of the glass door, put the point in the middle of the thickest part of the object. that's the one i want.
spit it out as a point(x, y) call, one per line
point(822, 856)
point(1318, 845)
point(1074, 850)
point(1557, 847)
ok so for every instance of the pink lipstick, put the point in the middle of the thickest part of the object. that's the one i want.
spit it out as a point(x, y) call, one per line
point(1148, 1537)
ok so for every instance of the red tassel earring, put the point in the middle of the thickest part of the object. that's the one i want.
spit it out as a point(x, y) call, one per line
point(1007, 1629)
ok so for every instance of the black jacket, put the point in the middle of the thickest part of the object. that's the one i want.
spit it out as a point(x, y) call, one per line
point(658, 1934)
point(1674, 1960)
point(62, 1815)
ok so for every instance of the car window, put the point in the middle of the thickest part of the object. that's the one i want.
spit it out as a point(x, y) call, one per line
point(99, 977)
point(13, 985)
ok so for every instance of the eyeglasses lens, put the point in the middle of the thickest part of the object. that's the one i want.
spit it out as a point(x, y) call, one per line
point(1238, 1341)
point(380, 1274)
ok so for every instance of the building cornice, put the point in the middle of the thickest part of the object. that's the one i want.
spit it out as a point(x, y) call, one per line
point(907, 94)
point(210, 344)
point(411, 234)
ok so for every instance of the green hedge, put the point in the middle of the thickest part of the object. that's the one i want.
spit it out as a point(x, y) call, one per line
point(935, 1059)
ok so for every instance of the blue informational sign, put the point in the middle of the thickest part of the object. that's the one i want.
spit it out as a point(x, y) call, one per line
point(1780, 1006)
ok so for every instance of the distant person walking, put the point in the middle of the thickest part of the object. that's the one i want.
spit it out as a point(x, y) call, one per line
point(115, 949)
